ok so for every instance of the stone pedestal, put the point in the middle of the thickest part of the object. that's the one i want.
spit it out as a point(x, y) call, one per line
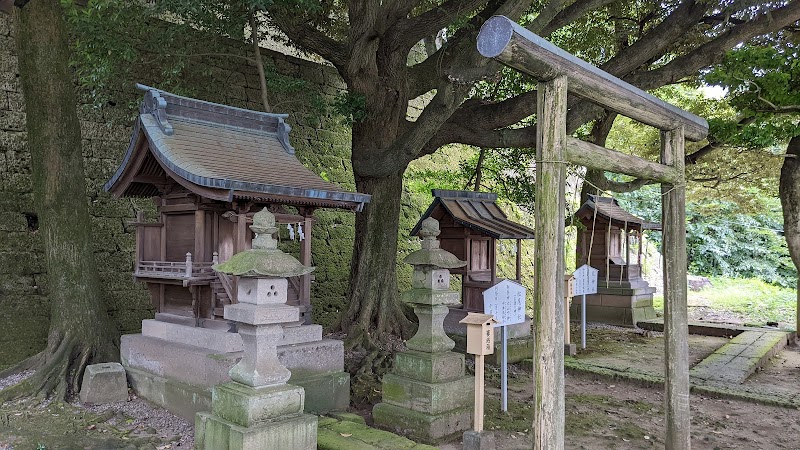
point(104, 383)
point(615, 303)
point(427, 396)
point(244, 417)
point(479, 440)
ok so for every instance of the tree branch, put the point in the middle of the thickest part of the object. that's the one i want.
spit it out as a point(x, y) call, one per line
point(459, 59)
point(546, 15)
point(604, 184)
point(657, 40)
point(713, 144)
point(572, 13)
point(309, 38)
point(713, 51)
point(405, 33)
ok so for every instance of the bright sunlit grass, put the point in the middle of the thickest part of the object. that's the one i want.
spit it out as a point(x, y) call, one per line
point(756, 301)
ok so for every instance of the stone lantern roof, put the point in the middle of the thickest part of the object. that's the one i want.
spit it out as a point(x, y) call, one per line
point(264, 259)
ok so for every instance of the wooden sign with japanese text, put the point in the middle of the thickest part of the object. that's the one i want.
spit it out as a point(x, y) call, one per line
point(506, 302)
point(585, 280)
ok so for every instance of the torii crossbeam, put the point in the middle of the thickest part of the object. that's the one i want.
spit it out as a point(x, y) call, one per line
point(558, 72)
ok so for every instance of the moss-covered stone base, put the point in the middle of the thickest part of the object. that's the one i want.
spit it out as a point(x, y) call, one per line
point(426, 428)
point(213, 433)
point(324, 392)
point(350, 433)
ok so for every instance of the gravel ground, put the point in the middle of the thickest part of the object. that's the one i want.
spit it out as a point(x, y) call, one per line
point(135, 414)
point(148, 417)
point(14, 379)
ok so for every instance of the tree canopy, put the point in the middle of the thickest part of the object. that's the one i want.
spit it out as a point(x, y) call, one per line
point(471, 100)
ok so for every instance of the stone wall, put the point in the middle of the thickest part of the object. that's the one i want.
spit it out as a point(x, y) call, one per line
point(321, 140)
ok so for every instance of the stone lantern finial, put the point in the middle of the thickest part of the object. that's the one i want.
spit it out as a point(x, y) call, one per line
point(264, 227)
point(264, 259)
point(428, 233)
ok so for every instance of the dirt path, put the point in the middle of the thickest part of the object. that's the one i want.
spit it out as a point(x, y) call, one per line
point(603, 415)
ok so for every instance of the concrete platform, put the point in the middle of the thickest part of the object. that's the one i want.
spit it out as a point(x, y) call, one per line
point(179, 377)
point(741, 357)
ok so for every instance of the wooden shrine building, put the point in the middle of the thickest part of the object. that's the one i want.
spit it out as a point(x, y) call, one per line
point(611, 232)
point(471, 223)
point(209, 168)
point(608, 234)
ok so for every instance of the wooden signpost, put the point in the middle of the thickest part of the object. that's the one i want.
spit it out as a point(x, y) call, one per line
point(569, 292)
point(480, 342)
point(506, 302)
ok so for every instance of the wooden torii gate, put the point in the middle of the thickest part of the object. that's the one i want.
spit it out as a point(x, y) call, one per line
point(557, 73)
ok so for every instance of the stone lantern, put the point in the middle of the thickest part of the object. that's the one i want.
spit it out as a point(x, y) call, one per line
point(427, 395)
point(258, 410)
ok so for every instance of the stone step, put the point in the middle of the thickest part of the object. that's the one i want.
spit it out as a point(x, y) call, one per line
point(741, 356)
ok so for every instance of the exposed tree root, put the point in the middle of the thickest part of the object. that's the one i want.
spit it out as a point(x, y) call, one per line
point(59, 369)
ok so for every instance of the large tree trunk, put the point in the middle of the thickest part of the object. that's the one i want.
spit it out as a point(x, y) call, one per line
point(80, 330)
point(374, 310)
point(790, 200)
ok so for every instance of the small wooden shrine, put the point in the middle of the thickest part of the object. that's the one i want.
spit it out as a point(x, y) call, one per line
point(471, 223)
point(609, 239)
point(209, 168)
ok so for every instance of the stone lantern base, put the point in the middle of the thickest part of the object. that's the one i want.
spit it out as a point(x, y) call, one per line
point(249, 418)
point(426, 397)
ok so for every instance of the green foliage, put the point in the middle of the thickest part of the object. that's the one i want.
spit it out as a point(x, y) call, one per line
point(724, 239)
point(351, 106)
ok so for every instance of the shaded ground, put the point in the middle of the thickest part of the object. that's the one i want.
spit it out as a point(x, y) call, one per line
point(621, 415)
point(600, 412)
point(132, 425)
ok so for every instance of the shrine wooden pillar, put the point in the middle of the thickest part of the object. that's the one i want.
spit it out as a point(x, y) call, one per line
point(548, 310)
point(305, 259)
point(676, 328)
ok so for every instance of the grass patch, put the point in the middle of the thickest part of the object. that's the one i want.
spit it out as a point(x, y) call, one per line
point(588, 414)
point(756, 301)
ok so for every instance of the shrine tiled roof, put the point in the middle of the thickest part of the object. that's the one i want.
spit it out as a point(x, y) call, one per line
point(478, 211)
point(220, 152)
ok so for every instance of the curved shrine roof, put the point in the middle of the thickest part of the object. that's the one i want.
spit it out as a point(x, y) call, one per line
point(220, 152)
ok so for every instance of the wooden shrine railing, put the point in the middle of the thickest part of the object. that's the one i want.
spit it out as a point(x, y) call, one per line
point(175, 269)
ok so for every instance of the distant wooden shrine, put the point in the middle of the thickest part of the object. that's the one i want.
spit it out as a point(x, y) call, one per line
point(614, 237)
point(471, 223)
point(209, 168)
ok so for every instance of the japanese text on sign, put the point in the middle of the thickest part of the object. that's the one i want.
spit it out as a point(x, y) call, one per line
point(506, 302)
point(585, 280)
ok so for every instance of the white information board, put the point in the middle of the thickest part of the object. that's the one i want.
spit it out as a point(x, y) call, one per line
point(585, 280)
point(506, 302)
